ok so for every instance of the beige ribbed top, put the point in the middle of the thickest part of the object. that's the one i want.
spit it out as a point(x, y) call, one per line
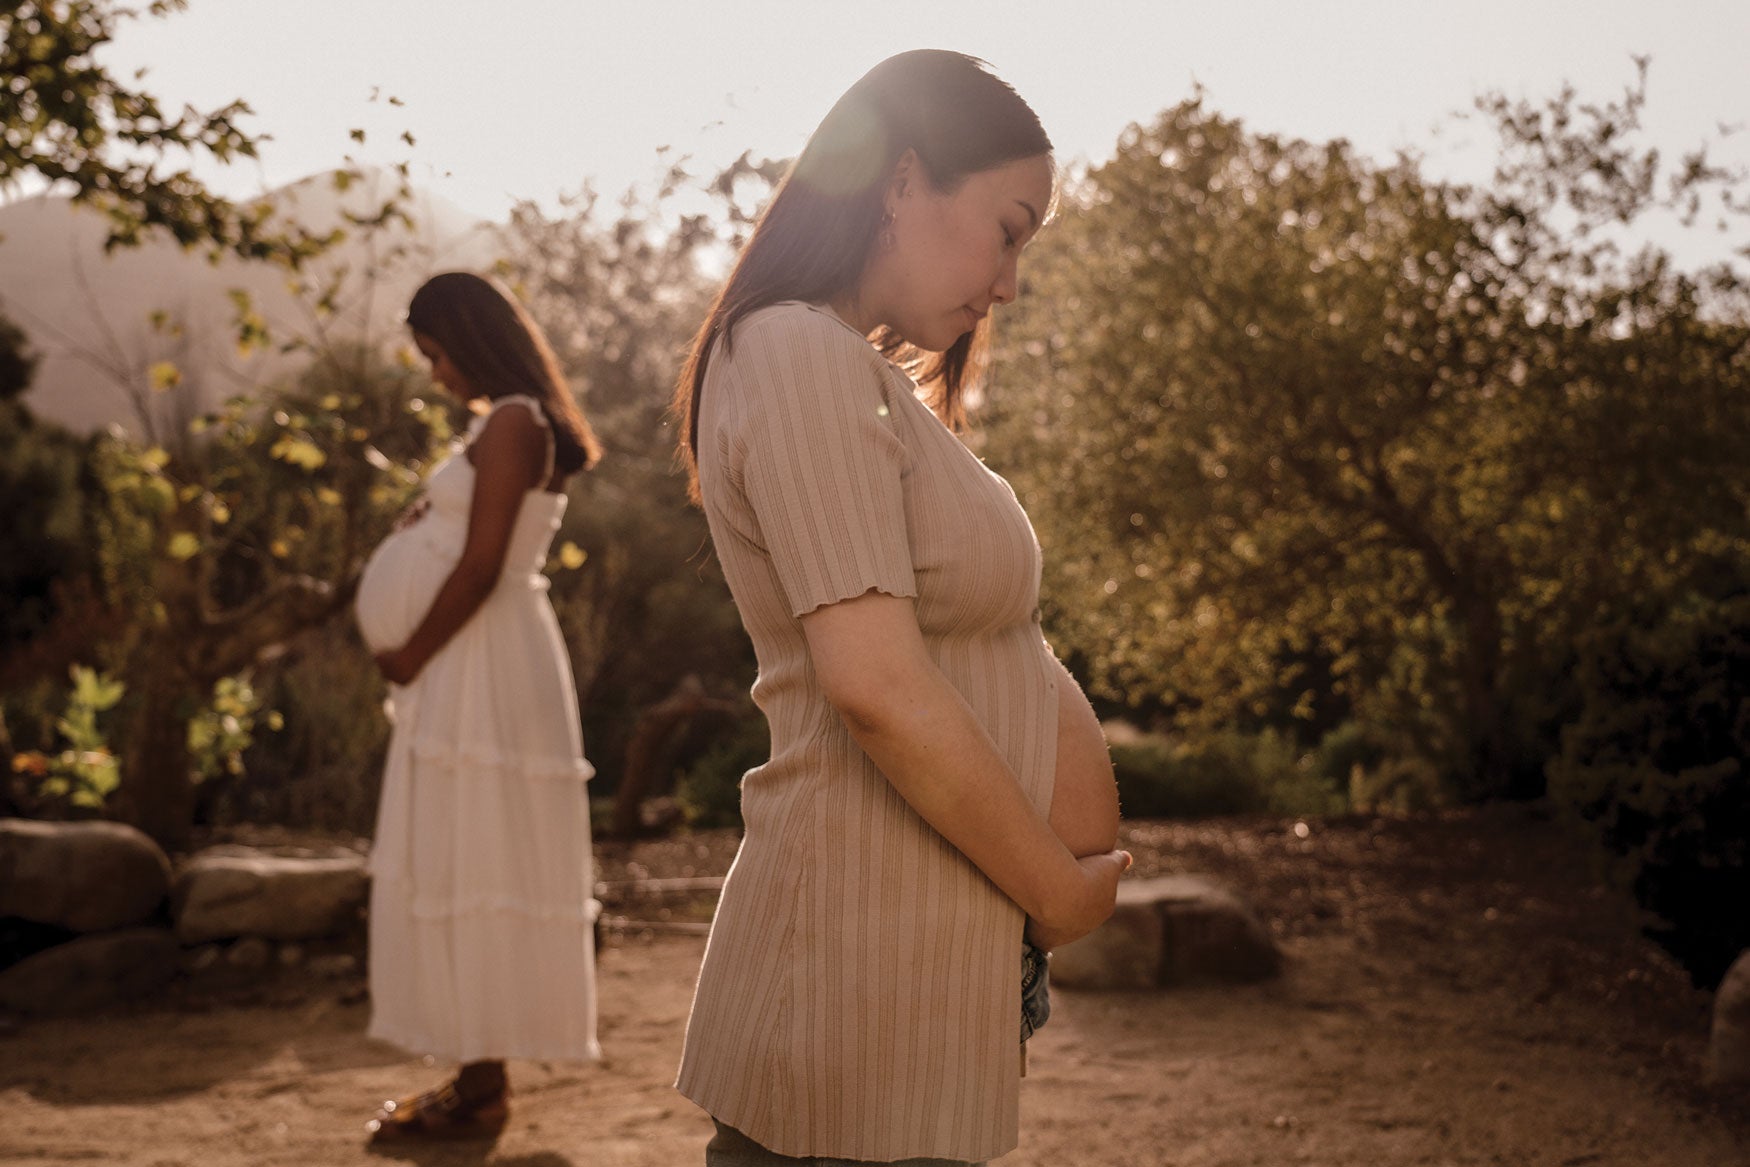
point(860, 996)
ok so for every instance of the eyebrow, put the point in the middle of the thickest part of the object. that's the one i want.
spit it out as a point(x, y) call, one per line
point(1032, 215)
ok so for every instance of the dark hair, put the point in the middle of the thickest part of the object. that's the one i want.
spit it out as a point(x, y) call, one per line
point(813, 241)
point(494, 342)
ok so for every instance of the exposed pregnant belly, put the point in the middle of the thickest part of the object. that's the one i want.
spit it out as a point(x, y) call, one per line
point(400, 581)
point(1084, 802)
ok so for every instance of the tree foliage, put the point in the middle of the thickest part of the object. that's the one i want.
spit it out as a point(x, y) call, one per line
point(1657, 756)
point(619, 294)
point(65, 119)
point(43, 540)
point(1308, 436)
point(223, 552)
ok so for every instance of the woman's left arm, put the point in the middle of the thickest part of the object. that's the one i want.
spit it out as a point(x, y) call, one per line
point(508, 457)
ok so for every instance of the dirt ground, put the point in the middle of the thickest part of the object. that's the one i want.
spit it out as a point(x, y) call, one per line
point(1460, 990)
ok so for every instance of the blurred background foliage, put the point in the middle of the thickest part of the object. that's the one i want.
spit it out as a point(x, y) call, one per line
point(1359, 491)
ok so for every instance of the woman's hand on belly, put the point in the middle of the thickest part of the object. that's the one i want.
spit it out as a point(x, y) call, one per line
point(396, 668)
point(873, 667)
point(415, 512)
point(1089, 903)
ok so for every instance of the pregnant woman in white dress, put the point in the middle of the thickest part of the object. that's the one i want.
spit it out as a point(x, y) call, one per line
point(481, 912)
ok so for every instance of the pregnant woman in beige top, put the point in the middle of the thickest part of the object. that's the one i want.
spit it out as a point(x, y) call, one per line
point(937, 784)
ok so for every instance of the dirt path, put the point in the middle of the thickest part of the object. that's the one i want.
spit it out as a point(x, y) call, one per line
point(1459, 992)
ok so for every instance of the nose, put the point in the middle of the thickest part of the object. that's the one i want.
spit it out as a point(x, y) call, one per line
point(1007, 286)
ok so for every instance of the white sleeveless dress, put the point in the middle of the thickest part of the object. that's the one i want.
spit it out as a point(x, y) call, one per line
point(481, 906)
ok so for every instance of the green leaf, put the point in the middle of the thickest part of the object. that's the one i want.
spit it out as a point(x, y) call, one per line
point(299, 451)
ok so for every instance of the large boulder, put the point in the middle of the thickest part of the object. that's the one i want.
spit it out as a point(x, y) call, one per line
point(86, 877)
point(92, 971)
point(1171, 930)
point(1729, 1046)
point(218, 896)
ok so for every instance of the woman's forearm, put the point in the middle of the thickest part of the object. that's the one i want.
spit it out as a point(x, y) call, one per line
point(507, 457)
point(462, 594)
point(943, 763)
point(871, 662)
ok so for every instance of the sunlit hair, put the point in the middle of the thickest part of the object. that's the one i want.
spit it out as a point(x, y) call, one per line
point(814, 240)
point(497, 346)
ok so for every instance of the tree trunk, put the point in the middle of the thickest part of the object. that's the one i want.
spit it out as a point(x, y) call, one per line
point(1490, 730)
point(157, 781)
point(175, 675)
point(654, 730)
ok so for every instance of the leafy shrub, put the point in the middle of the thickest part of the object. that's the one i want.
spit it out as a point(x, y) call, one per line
point(1222, 773)
point(42, 544)
point(1373, 769)
point(323, 769)
point(709, 790)
point(218, 734)
point(1655, 764)
point(1350, 748)
point(83, 773)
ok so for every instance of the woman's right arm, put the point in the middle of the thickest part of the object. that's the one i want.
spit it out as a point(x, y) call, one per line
point(808, 433)
point(871, 662)
point(508, 458)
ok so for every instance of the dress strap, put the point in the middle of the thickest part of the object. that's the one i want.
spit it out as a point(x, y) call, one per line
point(540, 415)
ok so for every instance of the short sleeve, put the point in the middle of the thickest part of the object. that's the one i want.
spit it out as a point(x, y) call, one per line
point(818, 459)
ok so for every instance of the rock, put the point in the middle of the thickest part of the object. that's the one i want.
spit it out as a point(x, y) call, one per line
point(196, 961)
point(92, 971)
point(87, 877)
point(1123, 953)
point(1728, 1052)
point(1172, 930)
point(22, 938)
point(661, 816)
point(251, 954)
point(276, 898)
point(335, 966)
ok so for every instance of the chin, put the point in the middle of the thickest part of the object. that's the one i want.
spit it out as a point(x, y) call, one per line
point(934, 339)
point(939, 342)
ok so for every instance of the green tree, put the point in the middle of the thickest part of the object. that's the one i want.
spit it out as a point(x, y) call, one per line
point(205, 553)
point(1656, 758)
point(39, 494)
point(619, 295)
point(225, 551)
point(69, 122)
point(1306, 434)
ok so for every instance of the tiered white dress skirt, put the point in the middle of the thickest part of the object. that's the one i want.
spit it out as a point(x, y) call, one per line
point(482, 880)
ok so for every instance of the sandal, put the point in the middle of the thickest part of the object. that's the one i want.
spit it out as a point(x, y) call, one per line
point(438, 1115)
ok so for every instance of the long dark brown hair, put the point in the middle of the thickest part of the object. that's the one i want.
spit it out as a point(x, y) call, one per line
point(494, 342)
point(813, 241)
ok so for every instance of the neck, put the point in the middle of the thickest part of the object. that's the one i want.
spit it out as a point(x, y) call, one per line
point(848, 306)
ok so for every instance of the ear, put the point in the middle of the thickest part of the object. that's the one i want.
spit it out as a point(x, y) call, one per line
point(906, 177)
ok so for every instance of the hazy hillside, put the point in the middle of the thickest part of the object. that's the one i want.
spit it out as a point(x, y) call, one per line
point(90, 316)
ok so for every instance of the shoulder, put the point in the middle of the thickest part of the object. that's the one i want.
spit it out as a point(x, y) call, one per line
point(800, 329)
point(513, 429)
point(800, 318)
point(512, 412)
point(798, 356)
point(519, 407)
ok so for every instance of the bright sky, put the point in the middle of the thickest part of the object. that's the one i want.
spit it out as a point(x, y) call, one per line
point(528, 98)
